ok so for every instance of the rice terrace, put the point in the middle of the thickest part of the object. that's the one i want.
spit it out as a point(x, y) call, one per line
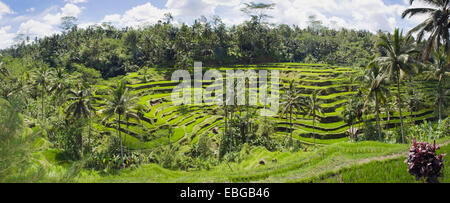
point(108, 103)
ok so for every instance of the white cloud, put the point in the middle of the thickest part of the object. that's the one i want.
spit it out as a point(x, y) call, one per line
point(4, 9)
point(6, 38)
point(137, 16)
point(191, 8)
point(71, 10)
point(115, 18)
point(369, 15)
point(86, 25)
point(34, 28)
point(76, 1)
point(68, 10)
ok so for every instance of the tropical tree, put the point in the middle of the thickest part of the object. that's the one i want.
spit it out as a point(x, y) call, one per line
point(293, 103)
point(349, 116)
point(437, 24)
point(398, 62)
point(414, 98)
point(43, 77)
point(314, 108)
point(60, 84)
point(437, 71)
point(81, 107)
point(118, 103)
point(377, 90)
point(387, 108)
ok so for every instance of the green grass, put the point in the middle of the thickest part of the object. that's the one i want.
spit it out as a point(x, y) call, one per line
point(288, 166)
point(198, 121)
point(385, 171)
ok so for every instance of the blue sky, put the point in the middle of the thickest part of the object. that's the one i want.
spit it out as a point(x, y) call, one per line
point(39, 18)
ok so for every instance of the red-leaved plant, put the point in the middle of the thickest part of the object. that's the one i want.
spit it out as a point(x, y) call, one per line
point(423, 163)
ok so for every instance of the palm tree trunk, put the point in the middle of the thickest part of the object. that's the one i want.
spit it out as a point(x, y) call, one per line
point(352, 133)
point(389, 119)
point(141, 138)
point(290, 139)
point(126, 143)
point(120, 136)
point(314, 126)
point(170, 132)
point(42, 102)
point(440, 110)
point(377, 109)
point(440, 101)
point(89, 137)
point(400, 105)
point(231, 125)
point(226, 123)
point(247, 119)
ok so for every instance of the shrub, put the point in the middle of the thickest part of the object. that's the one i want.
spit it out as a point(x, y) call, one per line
point(114, 161)
point(424, 163)
point(429, 131)
point(370, 131)
point(444, 127)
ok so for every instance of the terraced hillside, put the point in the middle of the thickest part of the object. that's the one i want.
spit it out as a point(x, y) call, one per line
point(189, 122)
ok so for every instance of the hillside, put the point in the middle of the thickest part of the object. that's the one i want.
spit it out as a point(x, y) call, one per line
point(194, 121)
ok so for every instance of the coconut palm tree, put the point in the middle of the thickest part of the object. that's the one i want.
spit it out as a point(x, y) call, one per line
point(60, 84)
point(387, 108)
point(118, 103)
point(437, 71)
point(81, 107)
point(398, 62)
point(377, 89)
point(349, 116)
point(314, 108)
point(293, 103)
point(43, 77)
point(437, 24)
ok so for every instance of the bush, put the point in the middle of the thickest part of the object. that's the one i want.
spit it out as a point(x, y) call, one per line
point(114, 162)
point(444, 127)
point(16, 146)
point(428, 131)
point(371, 132)
point(423, 162)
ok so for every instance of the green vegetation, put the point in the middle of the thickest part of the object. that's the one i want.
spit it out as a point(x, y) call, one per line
point(95, 104)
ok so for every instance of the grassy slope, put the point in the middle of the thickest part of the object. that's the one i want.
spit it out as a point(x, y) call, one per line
point(355, 162)
point(331, 158)
point(383, 171)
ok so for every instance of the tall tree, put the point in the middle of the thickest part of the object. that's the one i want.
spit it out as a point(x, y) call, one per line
point(314, 108)
point(349, 116)
point(398, 63)
point(293, 104)
point(377, 89)
point(43, 77)
point(437, 71)
point(60, 85)
point(81, 108)
point(118, 103)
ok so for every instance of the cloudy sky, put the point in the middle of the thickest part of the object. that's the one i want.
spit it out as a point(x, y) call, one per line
point(38, 18)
